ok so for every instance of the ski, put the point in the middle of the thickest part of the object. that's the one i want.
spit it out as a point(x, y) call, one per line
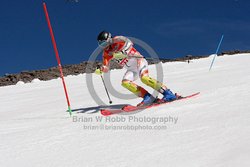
point(107, 112)
point(131, 108)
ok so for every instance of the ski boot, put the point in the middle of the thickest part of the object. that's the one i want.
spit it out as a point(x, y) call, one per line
point(168, 96)
point(148, 99)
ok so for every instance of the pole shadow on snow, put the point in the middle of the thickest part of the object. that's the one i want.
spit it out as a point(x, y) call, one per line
point(95, 109)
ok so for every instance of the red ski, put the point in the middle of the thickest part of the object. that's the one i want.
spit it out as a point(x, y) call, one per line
point(107, 112)
point(130, 108)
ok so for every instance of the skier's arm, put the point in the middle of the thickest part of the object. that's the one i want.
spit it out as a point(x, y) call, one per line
point(119, 55)
point(105, 64)
point(106, 60)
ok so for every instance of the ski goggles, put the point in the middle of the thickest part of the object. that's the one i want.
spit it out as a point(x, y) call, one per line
point(103, 44)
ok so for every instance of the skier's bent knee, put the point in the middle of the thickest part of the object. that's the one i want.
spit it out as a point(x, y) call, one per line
point(125, 83)
point(145, 79)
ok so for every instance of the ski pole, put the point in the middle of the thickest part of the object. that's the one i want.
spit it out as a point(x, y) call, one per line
point(110, 101)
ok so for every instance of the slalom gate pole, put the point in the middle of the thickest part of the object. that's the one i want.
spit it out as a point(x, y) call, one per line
point(217, 50)
point(110, 101)
point(57, 56)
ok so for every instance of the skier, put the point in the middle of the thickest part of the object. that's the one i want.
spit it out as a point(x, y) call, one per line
point(121, 50)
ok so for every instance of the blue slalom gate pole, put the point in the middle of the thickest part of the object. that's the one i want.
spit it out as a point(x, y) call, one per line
point(217, 50)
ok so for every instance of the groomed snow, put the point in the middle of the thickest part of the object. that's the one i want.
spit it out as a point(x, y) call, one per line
point(212, 129)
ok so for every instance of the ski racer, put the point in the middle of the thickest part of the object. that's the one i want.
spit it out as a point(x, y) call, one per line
point(122, 51)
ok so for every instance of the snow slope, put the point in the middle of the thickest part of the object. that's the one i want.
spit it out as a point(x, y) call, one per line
point(212, 129)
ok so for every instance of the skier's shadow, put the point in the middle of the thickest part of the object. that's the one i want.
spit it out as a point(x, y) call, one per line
point(92, 110)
